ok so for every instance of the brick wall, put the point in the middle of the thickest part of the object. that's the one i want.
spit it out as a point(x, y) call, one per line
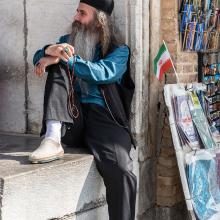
point(184, 62)
point(169, 189)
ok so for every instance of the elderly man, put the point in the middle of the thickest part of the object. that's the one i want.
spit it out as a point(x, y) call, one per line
point(91, 56)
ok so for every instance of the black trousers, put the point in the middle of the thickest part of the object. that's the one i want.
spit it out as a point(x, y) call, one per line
point(109, 143)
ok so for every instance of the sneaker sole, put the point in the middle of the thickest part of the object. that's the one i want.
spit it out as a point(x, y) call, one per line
point(47, 159)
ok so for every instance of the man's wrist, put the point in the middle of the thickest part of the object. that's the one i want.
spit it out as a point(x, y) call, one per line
point(45, 50)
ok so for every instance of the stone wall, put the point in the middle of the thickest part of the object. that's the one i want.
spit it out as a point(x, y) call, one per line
point(25, 27)
point(32, 24)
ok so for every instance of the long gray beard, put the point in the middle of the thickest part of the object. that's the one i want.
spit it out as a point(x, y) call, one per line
point(84, 42)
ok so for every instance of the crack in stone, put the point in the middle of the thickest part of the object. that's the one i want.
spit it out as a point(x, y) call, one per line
point(25, 54)
point(1, 195)
point(86, 207)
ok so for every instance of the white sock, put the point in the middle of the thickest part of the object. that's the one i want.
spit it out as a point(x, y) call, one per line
point(53, 130)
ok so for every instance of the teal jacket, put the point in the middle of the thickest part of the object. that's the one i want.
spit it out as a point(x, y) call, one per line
point(100, 71)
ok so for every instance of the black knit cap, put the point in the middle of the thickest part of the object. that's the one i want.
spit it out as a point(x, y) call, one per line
point(103, 5)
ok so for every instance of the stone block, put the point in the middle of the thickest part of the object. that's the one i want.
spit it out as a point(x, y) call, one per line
point(67, 187)
point(12, 109)
point(12, 67)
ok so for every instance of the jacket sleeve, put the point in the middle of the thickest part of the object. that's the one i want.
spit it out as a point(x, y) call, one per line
point(107, 70)
point(41, 53)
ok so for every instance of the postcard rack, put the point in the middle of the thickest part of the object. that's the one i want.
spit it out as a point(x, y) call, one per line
point(199, 25)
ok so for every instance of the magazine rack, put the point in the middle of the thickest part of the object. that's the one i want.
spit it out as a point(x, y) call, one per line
point(183, 151)
point(180, 154)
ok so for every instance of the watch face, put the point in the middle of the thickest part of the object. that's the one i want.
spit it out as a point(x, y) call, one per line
point(205, 60)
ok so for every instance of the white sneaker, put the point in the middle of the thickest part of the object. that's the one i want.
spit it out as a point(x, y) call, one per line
point(48, 151)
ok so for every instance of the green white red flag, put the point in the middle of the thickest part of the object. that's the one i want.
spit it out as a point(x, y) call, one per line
point(162, 62)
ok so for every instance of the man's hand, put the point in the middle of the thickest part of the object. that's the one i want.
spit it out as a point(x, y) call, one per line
point(63, 51)
point(43, 63)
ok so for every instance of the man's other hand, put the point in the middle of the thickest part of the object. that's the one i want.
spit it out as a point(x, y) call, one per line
point(44, 62)
point(63, 51)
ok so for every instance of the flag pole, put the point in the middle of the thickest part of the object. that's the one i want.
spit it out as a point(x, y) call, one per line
point(177, 77)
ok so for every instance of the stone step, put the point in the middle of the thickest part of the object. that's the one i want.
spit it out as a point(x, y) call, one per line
point(70, 188)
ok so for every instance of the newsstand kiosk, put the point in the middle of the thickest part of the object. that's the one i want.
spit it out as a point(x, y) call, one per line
point(194, 110)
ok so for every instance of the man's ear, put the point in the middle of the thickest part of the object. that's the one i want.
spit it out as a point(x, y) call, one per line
point(97, 24)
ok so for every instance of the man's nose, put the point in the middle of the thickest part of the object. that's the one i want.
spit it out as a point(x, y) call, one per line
point(76, 17)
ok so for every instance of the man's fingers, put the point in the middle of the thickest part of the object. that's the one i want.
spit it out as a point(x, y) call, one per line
point(63, 55)
point(42, 68)
point(64, 58)
point(56, 60)
point(56, 50)
point(38, 70)
point(68, 51)
point(71, 48)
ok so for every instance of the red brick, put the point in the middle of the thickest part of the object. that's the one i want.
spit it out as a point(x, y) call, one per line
point(167, 172)
point(167, 151)
point(166, 132)
point(188, 68)
point(168, 191)
point(167, 142)
point(168, 162)
point(168, 4)
point(168, 181)
point(169, 201)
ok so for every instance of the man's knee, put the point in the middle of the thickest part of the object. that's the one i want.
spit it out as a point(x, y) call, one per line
point(124, 161)
point(122, 165)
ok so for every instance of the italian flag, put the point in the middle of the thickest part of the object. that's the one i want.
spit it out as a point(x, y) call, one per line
point(162, 62)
